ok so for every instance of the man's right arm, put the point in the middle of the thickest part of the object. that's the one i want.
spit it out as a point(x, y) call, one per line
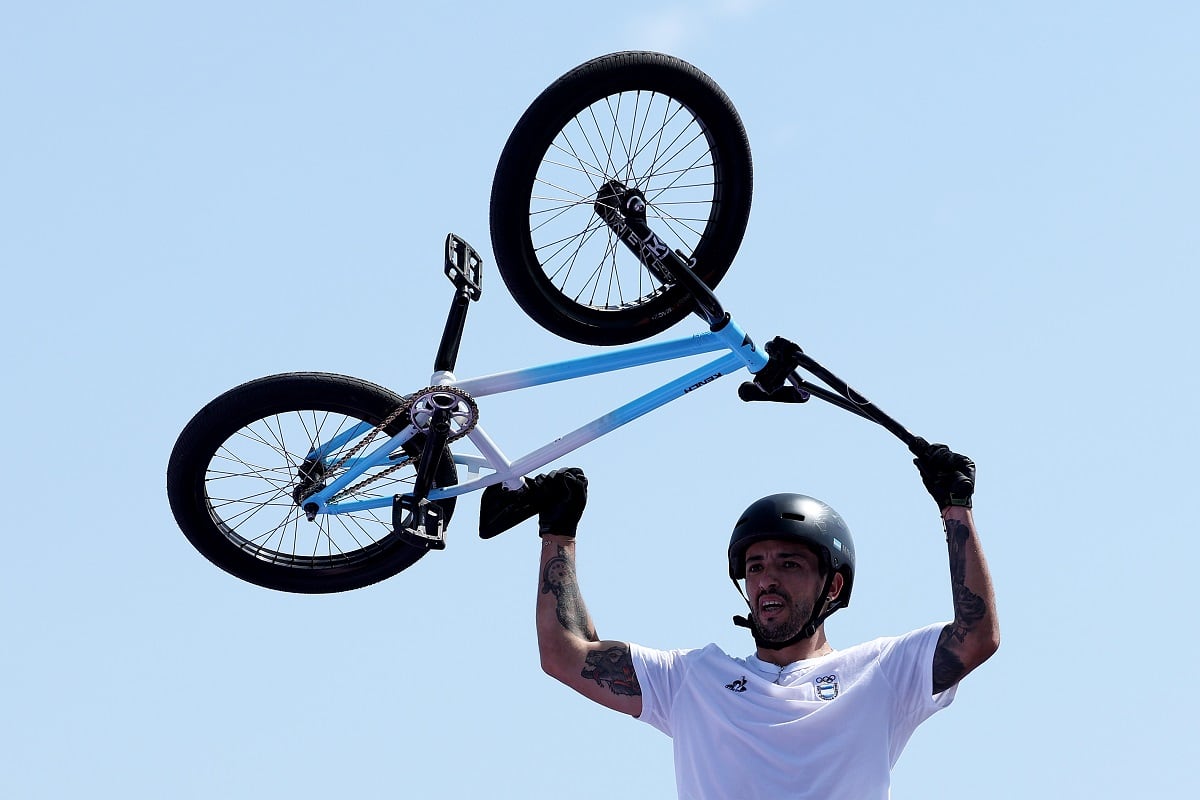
point(570, 649)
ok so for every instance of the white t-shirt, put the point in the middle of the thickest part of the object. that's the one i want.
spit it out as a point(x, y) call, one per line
point(828, 728)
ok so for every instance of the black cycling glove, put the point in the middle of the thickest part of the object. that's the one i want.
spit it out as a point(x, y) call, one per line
point(949, 476)
point(560, 497)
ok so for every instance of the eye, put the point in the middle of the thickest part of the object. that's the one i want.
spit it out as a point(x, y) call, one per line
point(753, 568)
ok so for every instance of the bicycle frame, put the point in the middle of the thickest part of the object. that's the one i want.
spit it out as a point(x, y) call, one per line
point(740, 353)
point(778, 381)
point(607, 239)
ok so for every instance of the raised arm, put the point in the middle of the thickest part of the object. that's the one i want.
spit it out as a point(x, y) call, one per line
point(974, 635)
point(570, 649)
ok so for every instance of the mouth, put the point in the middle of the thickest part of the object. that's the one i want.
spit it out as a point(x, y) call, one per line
point(771, 604)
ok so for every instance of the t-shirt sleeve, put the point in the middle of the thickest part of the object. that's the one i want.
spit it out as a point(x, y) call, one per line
point(907, 662)
point(659, 673)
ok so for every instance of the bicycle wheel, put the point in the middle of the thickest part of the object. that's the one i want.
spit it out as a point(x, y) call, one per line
point(644, 121)
point(241, 466)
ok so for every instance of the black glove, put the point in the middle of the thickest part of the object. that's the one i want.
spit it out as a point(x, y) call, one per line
point(949, 476)
point(560, 497)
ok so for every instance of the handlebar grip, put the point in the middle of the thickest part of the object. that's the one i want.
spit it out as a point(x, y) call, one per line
point(751, 392)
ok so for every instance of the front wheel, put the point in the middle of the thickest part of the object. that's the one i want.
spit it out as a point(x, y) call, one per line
point(241, 468)
point(633, 123)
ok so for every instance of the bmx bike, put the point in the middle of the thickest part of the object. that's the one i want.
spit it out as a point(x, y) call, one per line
point(619, 202)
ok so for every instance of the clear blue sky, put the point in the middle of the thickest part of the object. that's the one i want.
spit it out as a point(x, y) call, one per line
point(982, 215)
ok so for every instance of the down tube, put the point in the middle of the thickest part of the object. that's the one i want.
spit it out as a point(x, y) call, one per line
point(613, 420)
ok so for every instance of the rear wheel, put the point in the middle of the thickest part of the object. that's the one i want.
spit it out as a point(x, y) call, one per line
point(241, 468)
point(643, 122)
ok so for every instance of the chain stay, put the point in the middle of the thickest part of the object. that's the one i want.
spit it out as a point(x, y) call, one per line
point(465, 412)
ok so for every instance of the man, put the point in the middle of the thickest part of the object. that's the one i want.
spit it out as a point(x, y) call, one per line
point(798, 719)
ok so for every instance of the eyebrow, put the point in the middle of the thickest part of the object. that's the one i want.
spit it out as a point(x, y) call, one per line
point(781, 555)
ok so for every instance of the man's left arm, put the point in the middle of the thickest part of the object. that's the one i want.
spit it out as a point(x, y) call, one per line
point(974, 635)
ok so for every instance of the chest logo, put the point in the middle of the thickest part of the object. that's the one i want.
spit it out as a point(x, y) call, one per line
point(827, 687)
point(737, 686)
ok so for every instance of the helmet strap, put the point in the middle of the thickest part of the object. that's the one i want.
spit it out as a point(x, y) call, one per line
point(820, 612)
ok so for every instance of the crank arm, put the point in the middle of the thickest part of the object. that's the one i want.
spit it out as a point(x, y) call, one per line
point(417, 521)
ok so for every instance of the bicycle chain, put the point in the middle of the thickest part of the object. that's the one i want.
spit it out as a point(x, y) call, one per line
point(464, 399)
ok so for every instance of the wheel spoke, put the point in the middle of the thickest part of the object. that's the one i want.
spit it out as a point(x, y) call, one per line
point(254, 473)
point(644, 140)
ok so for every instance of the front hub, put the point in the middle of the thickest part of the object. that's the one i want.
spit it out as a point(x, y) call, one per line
point(623, 209)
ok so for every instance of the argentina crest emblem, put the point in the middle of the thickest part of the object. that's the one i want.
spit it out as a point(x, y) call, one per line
point(827, 687)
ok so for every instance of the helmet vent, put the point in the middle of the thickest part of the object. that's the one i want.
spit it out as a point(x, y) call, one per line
point(797, 517)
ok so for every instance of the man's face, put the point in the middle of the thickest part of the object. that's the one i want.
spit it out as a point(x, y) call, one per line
point(783, 582)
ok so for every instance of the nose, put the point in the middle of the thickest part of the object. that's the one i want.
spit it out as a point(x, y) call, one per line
point(766, 579)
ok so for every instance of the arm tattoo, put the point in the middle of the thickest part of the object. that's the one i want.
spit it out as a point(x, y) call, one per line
point(948, 668)
point(558, 578)
point(969, 609)
point(613, 667)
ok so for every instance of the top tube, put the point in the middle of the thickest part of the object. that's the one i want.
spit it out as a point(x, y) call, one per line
point(730, 337)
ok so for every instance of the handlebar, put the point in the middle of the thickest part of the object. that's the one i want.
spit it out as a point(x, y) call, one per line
point(779, 381)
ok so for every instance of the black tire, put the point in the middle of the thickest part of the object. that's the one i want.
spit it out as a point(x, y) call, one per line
point(652, 122)
point(236, 466)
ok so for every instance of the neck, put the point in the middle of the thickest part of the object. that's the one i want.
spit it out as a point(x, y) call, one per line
point(812, 647)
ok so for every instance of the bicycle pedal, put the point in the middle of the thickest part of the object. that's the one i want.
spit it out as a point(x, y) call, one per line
point(464, 267)
point(419, 523)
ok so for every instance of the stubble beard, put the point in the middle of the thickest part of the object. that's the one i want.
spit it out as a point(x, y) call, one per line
point(788, 627)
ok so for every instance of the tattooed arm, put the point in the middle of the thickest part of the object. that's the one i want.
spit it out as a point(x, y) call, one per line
point(571, 651)
point(974, 635)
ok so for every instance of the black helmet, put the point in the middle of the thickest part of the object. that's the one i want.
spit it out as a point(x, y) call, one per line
point(798, 518)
